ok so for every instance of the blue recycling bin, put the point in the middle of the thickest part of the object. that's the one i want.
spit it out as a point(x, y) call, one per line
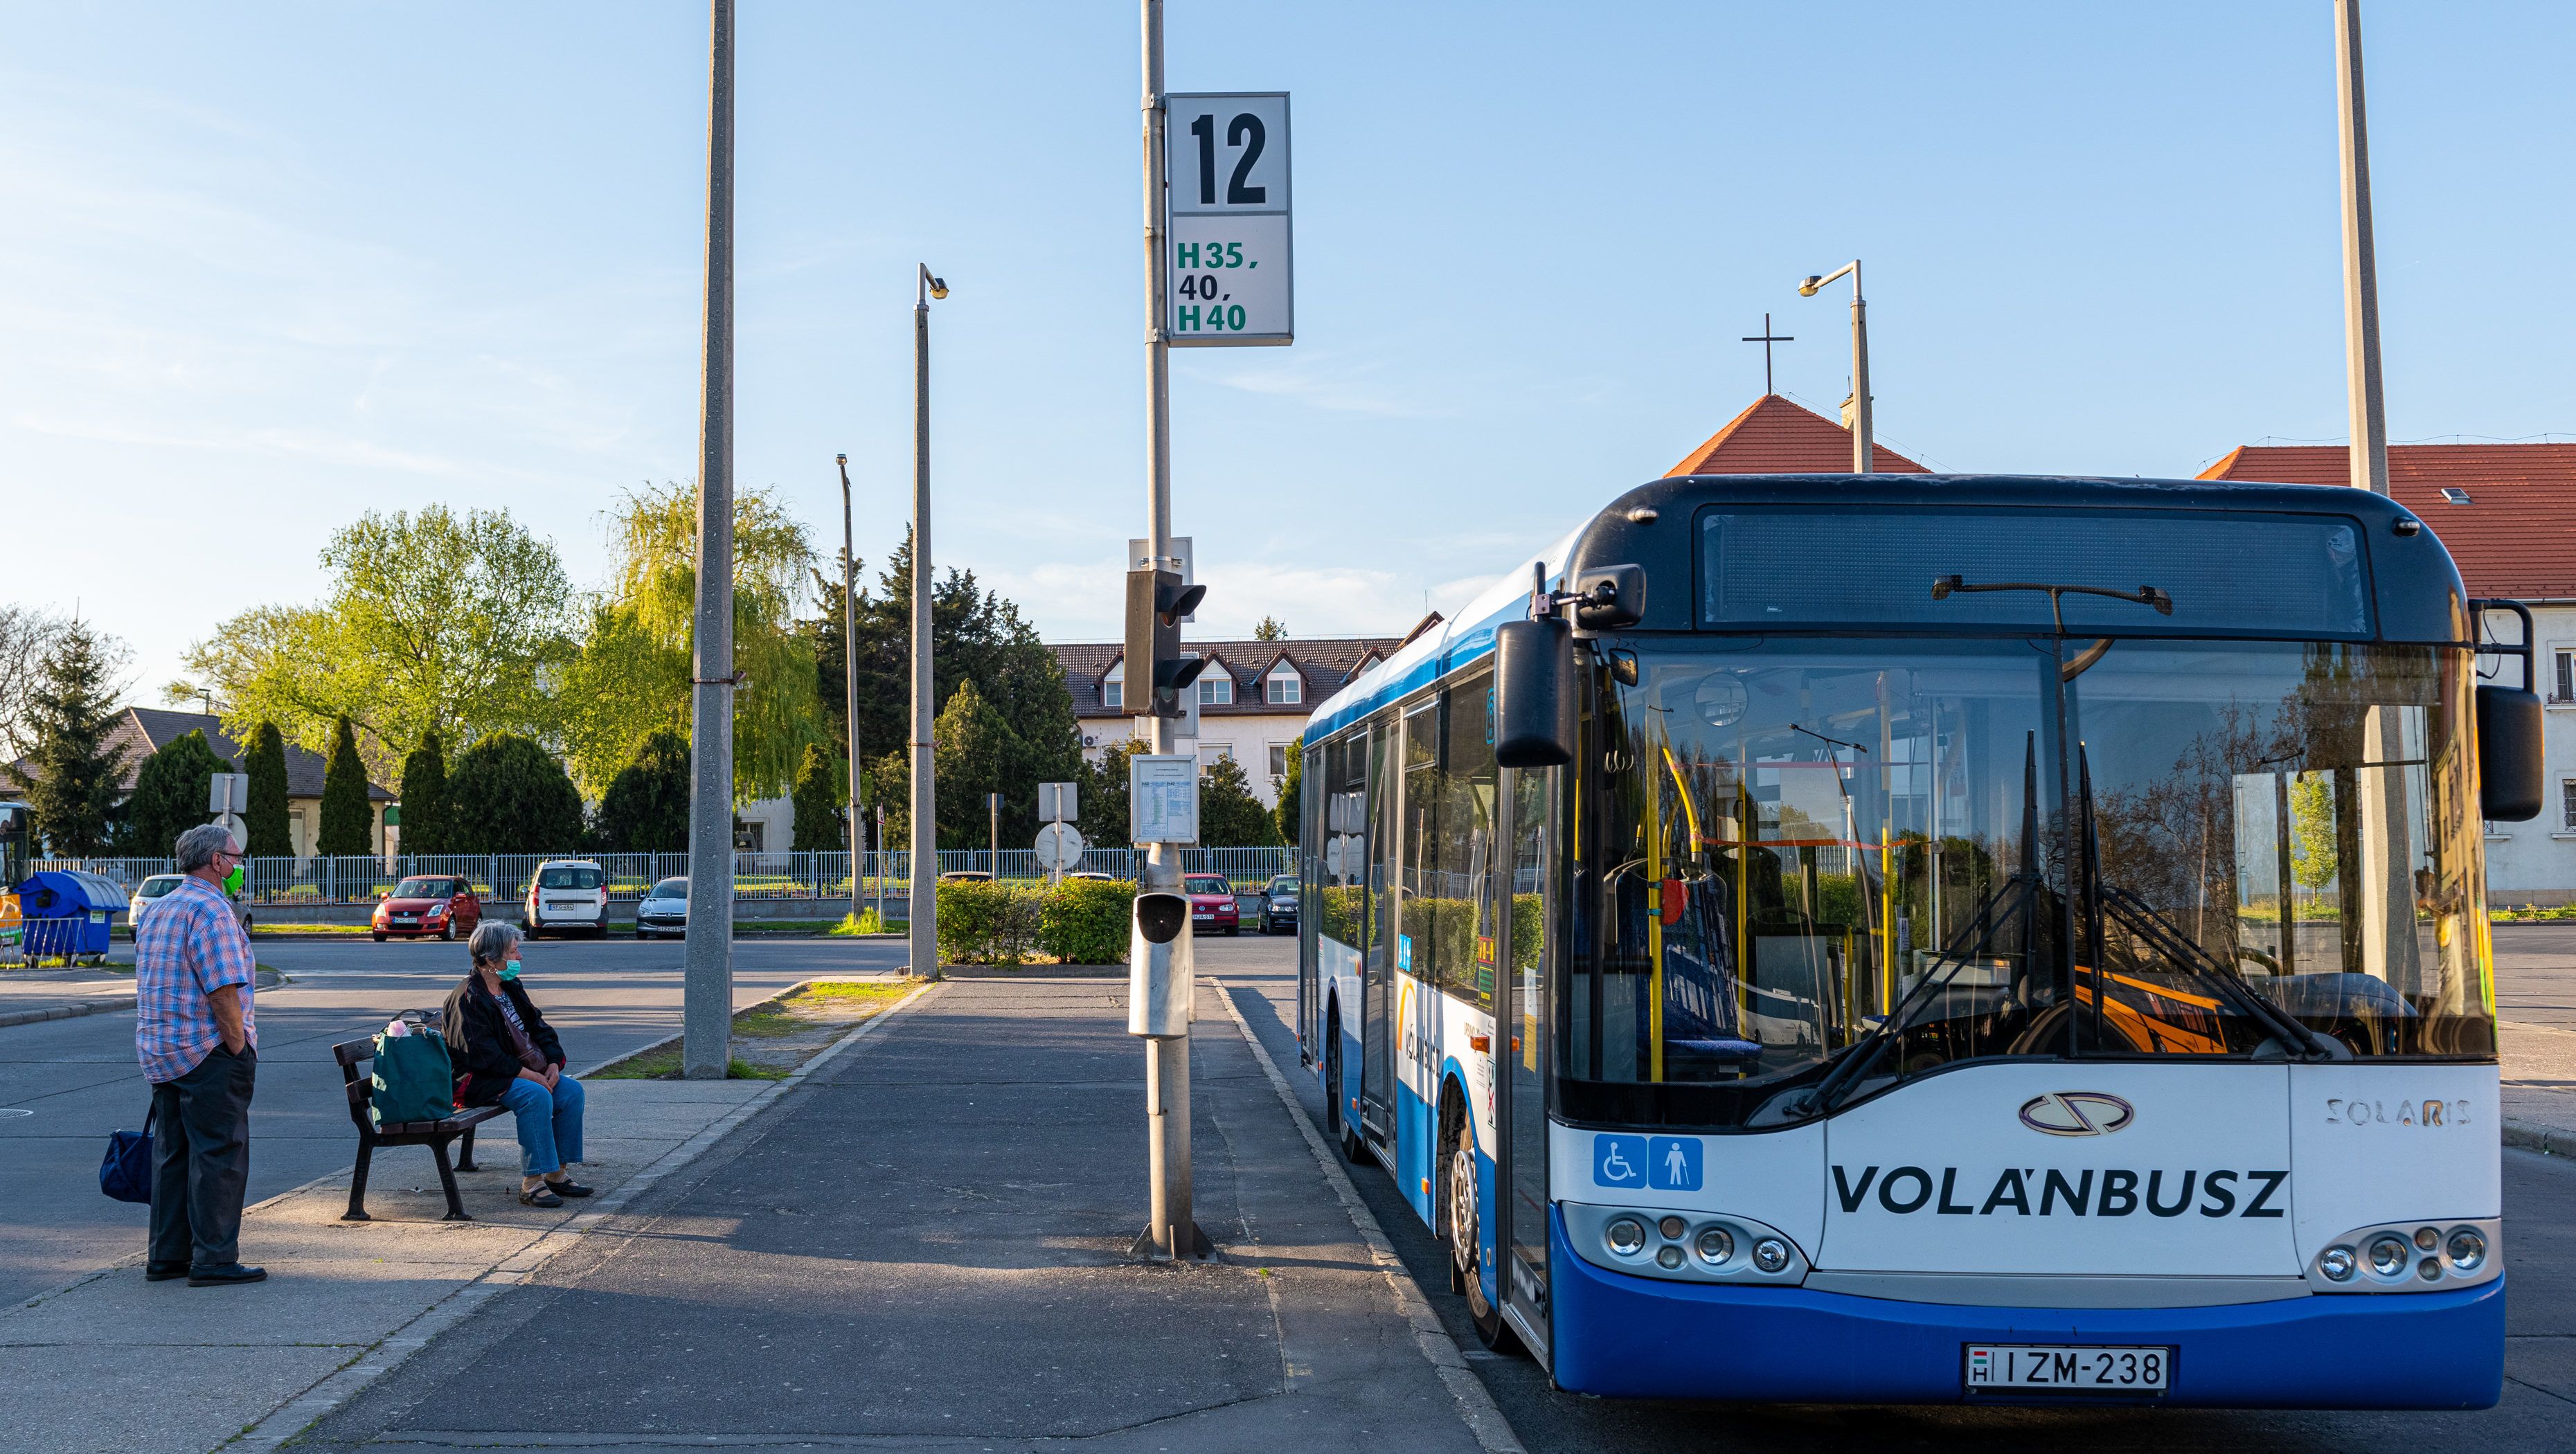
point(68, 912)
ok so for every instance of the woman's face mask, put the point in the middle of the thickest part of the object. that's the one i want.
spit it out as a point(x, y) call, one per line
point(510, 970)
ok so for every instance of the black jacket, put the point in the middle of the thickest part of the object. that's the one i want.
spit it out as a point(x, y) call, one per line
point(478, 1039)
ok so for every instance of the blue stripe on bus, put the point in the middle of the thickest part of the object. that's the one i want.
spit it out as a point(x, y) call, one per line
point(1465, 648)
point(1640, 1337)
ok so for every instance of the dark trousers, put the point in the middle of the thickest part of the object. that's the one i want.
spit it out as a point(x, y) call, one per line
point(201, 1160)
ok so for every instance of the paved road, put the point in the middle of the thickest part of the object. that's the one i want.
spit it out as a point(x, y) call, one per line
point(2540, 1260)
point(80, 1081)
point(2536, 973)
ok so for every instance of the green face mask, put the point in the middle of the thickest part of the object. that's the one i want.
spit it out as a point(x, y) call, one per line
point(233, 880)
point(510, 970)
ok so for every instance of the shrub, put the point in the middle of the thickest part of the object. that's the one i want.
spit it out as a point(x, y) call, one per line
point(981, 922)
point(1085, 921)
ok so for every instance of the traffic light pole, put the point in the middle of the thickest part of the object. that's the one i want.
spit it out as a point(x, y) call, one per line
point(1170, 1228)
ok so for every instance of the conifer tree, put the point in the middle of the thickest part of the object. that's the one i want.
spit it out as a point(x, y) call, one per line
point(424, 797)
point(348, 821)
point(265, 820)
point(75, 768)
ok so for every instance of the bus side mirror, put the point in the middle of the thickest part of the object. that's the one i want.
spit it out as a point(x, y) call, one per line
point(2511, 778)
point(1534, 693)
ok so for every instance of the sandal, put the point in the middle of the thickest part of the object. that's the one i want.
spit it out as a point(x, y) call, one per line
point(540, 1196)
point(568, 1188)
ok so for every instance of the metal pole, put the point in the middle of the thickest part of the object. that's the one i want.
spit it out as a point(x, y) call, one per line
point(925, 800)
point(707, 958)
point(881, 883)
point(1169, 1223)
point(2369, 412)
point(993, 806)
point(1864, 450)
point(850, 676)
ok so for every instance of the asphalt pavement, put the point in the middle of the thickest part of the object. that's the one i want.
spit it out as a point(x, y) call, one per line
point(2536, 973)
point(77, 1079)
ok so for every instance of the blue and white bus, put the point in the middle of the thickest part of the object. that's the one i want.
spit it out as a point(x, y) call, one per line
point(1933, 939)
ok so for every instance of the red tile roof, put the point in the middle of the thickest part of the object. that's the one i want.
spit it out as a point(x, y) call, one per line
point(1775, 437)
point(2515, 537)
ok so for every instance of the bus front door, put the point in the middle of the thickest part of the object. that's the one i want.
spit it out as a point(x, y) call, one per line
point(1377, 964)
point(1521, 1056)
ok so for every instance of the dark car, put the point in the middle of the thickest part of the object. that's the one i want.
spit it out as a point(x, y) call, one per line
point(1211, 903)
point(664, 910)
point(1279, 905)
point(428, 904)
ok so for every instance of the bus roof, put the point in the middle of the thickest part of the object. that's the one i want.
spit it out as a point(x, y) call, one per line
point(2417, 588)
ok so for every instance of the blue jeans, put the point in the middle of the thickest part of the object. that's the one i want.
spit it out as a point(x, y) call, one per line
point(549, 1124)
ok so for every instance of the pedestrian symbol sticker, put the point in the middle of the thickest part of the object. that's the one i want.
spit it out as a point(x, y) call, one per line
point(1672, 1163)
point(1619, 1160)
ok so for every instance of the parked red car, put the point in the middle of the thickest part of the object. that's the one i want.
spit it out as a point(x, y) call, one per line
point(1211, 903)
point(436, 905)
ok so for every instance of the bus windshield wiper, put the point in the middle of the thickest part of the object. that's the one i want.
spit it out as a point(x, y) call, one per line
point(1944, 587)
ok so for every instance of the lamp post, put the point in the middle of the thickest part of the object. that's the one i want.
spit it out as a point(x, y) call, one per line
point(850, 679)
point(2367, 407)
point(706, 986)
point(925, 798)
point(1864, 457)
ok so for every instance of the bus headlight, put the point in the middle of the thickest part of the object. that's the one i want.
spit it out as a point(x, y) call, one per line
point(1771, 1254)
point(2468, 1249)
point(1694, 1246)
point(2338, 1264)
point(1715, 1246)
point(2387, 1255)
point(1626, 1236)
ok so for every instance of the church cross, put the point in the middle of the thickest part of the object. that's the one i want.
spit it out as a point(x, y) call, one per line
point(1766, 338)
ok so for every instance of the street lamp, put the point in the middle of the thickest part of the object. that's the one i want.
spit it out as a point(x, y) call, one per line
point(850, 680)
point(1864, 457)
point(925, 828)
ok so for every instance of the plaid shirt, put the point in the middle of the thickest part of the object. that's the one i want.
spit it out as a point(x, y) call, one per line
point(190, 945)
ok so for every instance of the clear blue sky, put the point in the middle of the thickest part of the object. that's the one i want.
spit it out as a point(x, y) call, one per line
point(264, 266)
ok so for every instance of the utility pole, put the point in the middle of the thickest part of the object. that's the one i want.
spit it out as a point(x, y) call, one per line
point(2368, 410)
point(850, 678)
point(925, 795)
point(1171, 1227)
point(707, 957)
point(1864, 452)
point(993, 806)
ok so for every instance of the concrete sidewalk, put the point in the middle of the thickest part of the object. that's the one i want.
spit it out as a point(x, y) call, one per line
point(924, 1247)
point(2539, 1086)
point(112, 1363)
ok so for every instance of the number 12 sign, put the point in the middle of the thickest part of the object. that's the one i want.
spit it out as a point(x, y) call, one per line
point(1225, 221)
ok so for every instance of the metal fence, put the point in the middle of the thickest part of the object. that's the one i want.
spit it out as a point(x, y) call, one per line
point(504, 876)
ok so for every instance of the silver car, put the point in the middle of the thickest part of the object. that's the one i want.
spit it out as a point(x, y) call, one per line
point(664, 910)
point(159, 884)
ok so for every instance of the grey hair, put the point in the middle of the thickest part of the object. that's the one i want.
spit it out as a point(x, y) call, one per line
point(198, 846)
point(492, 942)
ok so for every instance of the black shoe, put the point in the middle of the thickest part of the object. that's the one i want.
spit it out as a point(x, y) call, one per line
point(226, 1275)
point(540, 1196)
point(568, 1188)
point(163, 1271)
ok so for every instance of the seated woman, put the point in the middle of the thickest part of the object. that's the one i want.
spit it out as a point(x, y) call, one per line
point(507, 1055)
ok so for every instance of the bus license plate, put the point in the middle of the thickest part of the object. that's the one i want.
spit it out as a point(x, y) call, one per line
point(2066, 1368)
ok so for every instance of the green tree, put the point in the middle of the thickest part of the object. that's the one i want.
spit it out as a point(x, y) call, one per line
point(1229, 815)
point(265, 818)
point(348, 820)
point(978, 753)
point(818, 802)
point(171, 793)
point(2313, 841)
point(646, 807)
point(1290, 814)
point(1270, 629)
point(632, 675)
point(433, 622)
point(69, 712)
point(977, 636)
point(509, 795)
point(1103, 818)
point(424, 797)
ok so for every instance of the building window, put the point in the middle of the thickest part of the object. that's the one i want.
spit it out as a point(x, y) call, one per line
point(2567, 805)
point(1212, 753)
point(1284, 687)
point(2564, 689)
point(1216, 687)
point(1113, 687)
point(1279, 759)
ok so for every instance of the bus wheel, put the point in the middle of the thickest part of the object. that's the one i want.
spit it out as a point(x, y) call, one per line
point(1466, 1275)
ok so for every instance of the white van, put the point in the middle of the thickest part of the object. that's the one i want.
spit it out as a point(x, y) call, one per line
point(567, 896)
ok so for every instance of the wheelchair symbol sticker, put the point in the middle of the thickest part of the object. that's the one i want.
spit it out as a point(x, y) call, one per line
point(1619, 1161)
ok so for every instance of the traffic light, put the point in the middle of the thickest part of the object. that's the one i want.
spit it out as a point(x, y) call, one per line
point(1157, 672)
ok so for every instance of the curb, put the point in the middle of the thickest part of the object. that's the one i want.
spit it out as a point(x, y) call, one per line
point(2532, 1136)
point(388, 1353)
point(63, 1012)
point(1476, 1406)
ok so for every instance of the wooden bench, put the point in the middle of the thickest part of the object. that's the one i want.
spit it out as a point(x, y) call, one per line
point(354, 1054)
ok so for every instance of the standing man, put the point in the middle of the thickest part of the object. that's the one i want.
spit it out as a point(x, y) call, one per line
point(199, 1043)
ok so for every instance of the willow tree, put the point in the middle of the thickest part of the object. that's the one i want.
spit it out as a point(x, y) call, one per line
point(632, 676)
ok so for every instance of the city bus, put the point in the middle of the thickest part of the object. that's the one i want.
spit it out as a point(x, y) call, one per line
point(1872, 939)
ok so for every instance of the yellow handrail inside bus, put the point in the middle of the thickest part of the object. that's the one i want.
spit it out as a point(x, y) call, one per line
point(1655, 928)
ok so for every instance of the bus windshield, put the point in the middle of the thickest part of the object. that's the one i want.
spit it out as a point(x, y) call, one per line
point(1942, 850)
